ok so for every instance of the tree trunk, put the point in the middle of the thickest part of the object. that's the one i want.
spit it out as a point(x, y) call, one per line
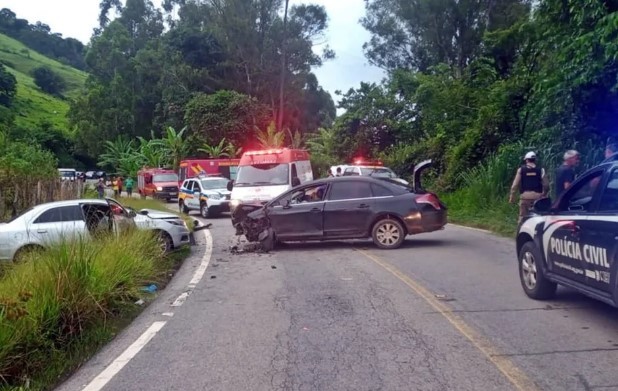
point(283, 62)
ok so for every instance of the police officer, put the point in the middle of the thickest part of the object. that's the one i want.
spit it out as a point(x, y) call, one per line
point(532, 184)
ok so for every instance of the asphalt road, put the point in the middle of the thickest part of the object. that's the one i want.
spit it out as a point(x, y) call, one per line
point(445, 312)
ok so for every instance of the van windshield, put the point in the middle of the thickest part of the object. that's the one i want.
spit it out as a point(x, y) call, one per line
point(263, 175)
point(379, 172)
point(165, 178)
point(68, 174)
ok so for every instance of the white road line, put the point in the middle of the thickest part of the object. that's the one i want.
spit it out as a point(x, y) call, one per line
point(180, 300)
point(198, 274)
point(104, 377)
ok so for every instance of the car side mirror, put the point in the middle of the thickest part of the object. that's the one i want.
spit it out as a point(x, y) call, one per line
point(230, 185)
point(295, 181)
point(542, 206)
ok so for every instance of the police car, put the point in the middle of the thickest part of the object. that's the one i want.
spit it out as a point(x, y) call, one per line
point(206, 194)
point(574, 241)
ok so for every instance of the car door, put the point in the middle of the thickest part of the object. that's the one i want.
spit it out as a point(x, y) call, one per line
point(601, 242)
point(567, 233)
point(191, 201)
point(57, 224)
point(348, 210)
point(299, 214)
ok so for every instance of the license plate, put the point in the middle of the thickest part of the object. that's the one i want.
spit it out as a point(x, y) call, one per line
point(174, 193)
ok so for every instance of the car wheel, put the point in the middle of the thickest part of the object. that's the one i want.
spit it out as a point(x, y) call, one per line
point(388, 234)
point(182, 207)
point(25, 252)
point(165, 242)
point(204, 210)
point(534, 282)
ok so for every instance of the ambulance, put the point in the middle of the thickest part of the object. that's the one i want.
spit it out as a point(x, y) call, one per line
point(263, 175)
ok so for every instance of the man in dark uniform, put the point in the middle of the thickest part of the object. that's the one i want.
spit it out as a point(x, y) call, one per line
point(532, 184)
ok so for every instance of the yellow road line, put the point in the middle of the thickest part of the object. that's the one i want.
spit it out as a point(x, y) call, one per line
point(515, 375)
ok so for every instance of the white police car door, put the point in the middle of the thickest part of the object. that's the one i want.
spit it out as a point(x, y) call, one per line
point(600, 252)
point(567, 235)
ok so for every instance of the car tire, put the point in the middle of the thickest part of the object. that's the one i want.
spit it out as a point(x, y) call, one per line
point(23, 253)
point(182, 207)
point(204, 212)
point(531, 274)
point(388, 234)
point(165, 242)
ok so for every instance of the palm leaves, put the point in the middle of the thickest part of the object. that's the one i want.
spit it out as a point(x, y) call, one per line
point(126, 157)
point(270, 138)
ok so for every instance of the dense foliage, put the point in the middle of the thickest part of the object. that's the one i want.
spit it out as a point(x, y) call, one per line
point(490, 78)
point(216, 70)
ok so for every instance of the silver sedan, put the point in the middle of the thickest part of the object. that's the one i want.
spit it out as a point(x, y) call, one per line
point(45, 224)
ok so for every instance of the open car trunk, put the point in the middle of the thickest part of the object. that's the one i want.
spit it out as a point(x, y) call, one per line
point(418, 171)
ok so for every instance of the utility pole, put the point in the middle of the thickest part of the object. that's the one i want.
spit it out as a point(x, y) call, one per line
point(283, 62)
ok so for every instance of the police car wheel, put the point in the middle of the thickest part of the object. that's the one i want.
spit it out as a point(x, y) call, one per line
point(388, 234)
point(533, 281)
point(204, 210)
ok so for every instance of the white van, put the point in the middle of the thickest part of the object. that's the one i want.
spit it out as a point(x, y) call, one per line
point(67, 174)
point(263, 175)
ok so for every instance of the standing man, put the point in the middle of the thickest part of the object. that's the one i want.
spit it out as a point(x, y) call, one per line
point(610, 151)
point(129, 186)
point(532, 183)
point(565, 174)
point(100, 188)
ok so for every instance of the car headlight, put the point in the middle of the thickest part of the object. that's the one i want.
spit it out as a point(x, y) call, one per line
point(214, 196)
point(234, 203)
point(177, 222)
point(159, 188)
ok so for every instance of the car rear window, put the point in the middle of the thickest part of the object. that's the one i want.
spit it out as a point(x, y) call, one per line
point(350, 190)
point(380, 191)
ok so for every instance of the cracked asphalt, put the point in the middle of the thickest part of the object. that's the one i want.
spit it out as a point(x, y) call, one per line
point(444, 312)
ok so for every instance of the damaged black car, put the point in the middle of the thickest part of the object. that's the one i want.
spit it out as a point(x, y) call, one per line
point(345, 208)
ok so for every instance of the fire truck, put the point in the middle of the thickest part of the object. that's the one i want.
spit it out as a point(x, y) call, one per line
point(158, 183)
point(190, 168)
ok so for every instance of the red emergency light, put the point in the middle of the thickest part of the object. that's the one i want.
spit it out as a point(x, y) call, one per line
point(264, 152)
point(362, 162)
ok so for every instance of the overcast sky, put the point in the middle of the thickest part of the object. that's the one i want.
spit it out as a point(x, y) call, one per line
point(77, 18)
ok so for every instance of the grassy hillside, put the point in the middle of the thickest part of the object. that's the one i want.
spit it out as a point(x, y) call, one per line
point(33, 105)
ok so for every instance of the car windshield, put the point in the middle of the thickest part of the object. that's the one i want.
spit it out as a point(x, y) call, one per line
point(263, 174)
point(212, 184)
point(378, 172)
point(165, 178)
point(67, 174)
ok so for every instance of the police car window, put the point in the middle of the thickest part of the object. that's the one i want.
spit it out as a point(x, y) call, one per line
point(350, 190)
point(580, 196)
point(609, 199)
point(350, 171)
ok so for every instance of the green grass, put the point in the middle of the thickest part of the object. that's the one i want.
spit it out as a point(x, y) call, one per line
point(32, 105)
point(58, 307)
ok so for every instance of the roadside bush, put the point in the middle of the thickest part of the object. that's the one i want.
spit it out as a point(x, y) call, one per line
point(49, 301)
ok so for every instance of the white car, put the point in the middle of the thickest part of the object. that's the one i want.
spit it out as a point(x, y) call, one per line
point(49, 223)
point(208, 195)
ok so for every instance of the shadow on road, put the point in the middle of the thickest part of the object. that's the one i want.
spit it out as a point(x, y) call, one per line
point(410, 243)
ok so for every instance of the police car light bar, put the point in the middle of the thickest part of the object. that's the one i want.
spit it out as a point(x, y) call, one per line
point(360, 161)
